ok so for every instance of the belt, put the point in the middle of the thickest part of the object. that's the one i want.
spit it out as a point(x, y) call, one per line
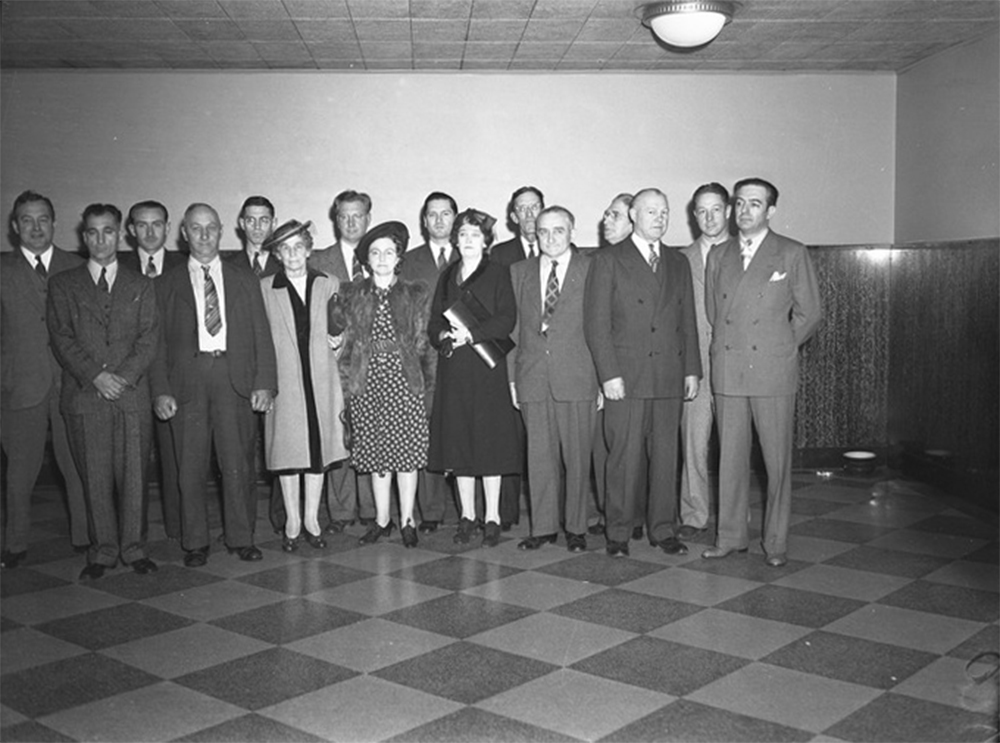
point(213, 354)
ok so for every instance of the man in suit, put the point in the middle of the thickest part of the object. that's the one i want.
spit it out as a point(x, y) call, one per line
point(102, 319)
point(553, 381)
point(349, 493)
point(215, 368)
point(30, 376)
point(257, 221)
point(148, 224)
point(640, 326)
point(425, 264)
point(710, 205)
point(763, 302)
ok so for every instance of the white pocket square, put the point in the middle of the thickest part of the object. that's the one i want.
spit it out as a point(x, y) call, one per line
point(777, 276)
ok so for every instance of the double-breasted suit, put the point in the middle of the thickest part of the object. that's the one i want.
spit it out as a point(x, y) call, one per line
point(30, 379)
point(117, 331)
point(239, 258)
point(556, 388)
point(641, 328)
point(213, 397)
point(759, 319)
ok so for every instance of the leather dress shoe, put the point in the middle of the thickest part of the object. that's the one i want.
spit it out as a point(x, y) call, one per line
point(247, 554)
point(533, 543)
point(290, 544)
point(491, 534)
point(506, 525)
point(776, 561)
point(143, 566)
point(689, 532)
point(196, 558)
point(717, 553)
point(637, 532)
point(375, 532)
point(576, 542)
point(94, 571)
point(338, 525)
point(409, 535)
point(466, 528)
point(673, 546)
point(595, 529)
point(315, 541)
point(427, 527)
point(12, 559)
point(617, 549)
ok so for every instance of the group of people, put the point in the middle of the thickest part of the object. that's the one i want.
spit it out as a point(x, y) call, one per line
point(528, 366)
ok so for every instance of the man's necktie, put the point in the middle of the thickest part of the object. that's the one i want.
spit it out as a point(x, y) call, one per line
point(654, 257)
point(151, 268)
point(257, 268)
point(213, 317)
point(746, 250)
point(356, 274)
point(551, 296)
point(442, 260)
point(40, 267)
point(531, 250)
point(102, 282)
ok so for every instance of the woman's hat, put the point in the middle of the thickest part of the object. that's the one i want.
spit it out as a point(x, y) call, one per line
point(289, 229)
point(395, 230)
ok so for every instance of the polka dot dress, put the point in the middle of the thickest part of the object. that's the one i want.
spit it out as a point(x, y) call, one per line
point(390, 425)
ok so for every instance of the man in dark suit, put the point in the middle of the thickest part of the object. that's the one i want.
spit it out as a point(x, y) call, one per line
point(102, 319)
point(30, 376)
point(257, 221)
point(640, 325)
point(215, 368)
point(763, 303)
point(425, 264)
point(148, 224)
point(553, 381)
point(349, 493)
point(710, 205)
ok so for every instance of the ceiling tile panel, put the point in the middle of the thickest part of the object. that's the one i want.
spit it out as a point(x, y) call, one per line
point(579, 9)
point(386, 50)
point(254, 9)
point(35, 30)
point(437, 64)
point(326, 30)
point(192, 9)
point(13, 9)
point(552, 30)
point(547, 50)
point(210, 30)
point(269, 30)
point(440, 8)
point(382, 30)
point(335, 51)
point(317, 9)
point(439, 30)
point(379, 8)
point(609, 29)
point(438, 49)
point(485, 30)
point(490, 50)
point(502, 9)
point(127, 9)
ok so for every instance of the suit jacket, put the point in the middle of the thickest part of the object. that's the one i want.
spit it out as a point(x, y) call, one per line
point(171, 259)
point(249, 348)
point(89, 337)
point(557, 362)
point(641, 326)
point(760, 316)
point(28, 369)
point(330, 261)
point(508, 253)
point(239, 259)
point(420, 264)
point(693, 254)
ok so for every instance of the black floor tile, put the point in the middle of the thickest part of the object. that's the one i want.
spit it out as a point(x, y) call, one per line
point(49, 550)
point(893, 717)
point(265, 678)
point(660, 665)
point(850, 659)
point(455, 573)
point(25, 580)
point(251, 728)
point(952, 601)
point(627, 610)
point(791, 605)
point(165, 550)
point(684, 721)
point(288, 621)
point(49, 688)
point(814, 506)
point(887, 562)
point(303, 577)
point(840, 531)
point(959, 526)
point(746, 566)
point(6, 625)
point(597, 567)
point(464, 672)
point(168, 579)
point(32, 732)
point(472, 724)
point(458, 615)
point(986, 640)
point(115, 625)
point(988, 553)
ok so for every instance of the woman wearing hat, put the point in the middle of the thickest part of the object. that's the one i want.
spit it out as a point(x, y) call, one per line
point(303, 434)
point(473, 430)
point(385, 363)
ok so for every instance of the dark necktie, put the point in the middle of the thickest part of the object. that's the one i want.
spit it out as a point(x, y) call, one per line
point(356, 274)
point(151, 268)
point(40, 267)
point(654, 257)
point(551, 295)
point(102, 283)
point(257, 268)
point(442, 261)
point(531, 250)
point(213, 317)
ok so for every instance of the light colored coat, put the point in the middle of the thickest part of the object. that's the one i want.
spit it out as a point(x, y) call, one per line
point(286, 434)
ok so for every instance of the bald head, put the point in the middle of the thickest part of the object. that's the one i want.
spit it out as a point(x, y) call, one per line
point(202, 230)
point(650, 214)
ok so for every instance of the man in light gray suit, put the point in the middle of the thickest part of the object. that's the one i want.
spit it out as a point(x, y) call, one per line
point(710, 205)
point(763, 303)
point(554, 381)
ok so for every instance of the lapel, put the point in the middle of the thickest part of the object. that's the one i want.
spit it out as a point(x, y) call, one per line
point(762, 265)
point(638, 269)
point(533, 286)
point(233, 291)
point(33, 284)
point(693, 253)
point(573, 282)
point(89, 296)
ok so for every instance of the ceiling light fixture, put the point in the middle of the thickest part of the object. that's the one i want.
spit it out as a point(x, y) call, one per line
point(687, 23)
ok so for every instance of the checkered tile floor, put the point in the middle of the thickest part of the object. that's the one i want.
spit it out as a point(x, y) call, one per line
point(865, 635)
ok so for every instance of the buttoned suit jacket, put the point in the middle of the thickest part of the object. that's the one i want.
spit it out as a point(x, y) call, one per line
point(760, 316)
point(697, 264)
point(639, 326)
point(508, 253)
point(330, 261)
point(420, 264)
point(171, 259)
point(28, 368)
point(239, 259)
point(557, 362)
point(249, 347)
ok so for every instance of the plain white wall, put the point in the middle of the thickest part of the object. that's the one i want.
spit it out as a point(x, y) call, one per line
point(948, 145)
point(827, 142)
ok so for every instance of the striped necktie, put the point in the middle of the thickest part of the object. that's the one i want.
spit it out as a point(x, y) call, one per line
point(213, 317)
point(257, 267)
point(654, 257)
point(551, 295)
point(442, 260)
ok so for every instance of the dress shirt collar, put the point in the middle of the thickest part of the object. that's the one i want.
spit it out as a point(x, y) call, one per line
point(436, 251)
point(643, 247)
point(158, 260)
point(214, 265)
point(46, 256)
point(109, 275)
point(527, 247)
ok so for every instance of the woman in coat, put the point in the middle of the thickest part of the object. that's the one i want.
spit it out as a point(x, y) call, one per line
point(385, 362)
point(473, 428)
point(303, 433)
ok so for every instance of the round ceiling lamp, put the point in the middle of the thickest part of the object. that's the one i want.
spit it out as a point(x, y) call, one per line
point(687, 23)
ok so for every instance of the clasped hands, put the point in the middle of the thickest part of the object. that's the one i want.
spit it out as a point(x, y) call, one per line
point(165, 406)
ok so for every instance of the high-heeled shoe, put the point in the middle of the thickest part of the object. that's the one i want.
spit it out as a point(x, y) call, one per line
point(409, 534)
point(315, 541)
point(375, 532)
point(290, 544)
